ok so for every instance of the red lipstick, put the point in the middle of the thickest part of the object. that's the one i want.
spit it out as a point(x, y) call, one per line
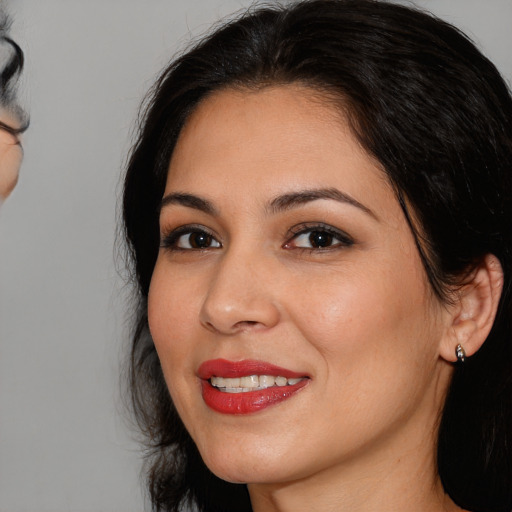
point(249, 401)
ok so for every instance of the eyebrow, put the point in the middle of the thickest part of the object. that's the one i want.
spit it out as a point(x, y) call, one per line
point(296, 199)
point(190, 201)
point(278, 204)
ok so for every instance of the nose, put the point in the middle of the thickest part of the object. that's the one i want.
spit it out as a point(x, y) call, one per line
point(240, 296)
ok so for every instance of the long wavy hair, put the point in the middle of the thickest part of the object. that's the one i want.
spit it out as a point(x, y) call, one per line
point(437, 115)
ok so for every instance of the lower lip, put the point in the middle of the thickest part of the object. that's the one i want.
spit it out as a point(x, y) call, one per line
point(250, 401)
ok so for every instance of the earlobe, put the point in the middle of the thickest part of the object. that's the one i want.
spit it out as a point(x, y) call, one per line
point(473, 313)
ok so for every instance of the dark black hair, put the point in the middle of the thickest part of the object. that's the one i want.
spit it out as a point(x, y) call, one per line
point(438, 117)
point(11, 66)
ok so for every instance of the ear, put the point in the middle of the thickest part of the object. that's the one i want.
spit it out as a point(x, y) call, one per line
point(472, 315)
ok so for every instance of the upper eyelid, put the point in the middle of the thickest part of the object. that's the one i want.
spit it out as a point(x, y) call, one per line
point(175, 233)
point(302, 228)
point(185, 228)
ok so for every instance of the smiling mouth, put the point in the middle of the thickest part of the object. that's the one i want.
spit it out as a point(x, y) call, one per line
point(247, 386)
point(251, 383)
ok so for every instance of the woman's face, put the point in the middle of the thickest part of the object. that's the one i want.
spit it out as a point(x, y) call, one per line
point(285, 254)
point(11, 155)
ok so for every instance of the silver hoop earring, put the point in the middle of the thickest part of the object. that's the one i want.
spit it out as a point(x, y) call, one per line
point(460, 353)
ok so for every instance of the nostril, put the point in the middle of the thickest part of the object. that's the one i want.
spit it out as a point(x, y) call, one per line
point(245, 325)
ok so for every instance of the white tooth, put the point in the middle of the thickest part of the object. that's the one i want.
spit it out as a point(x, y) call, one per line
point(218, 382)
point(267, 381)
point(251, 381)
point(281, 381)
point(232, 382)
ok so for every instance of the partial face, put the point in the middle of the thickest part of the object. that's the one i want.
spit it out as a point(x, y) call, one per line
point(289, 307)
point(11, 155)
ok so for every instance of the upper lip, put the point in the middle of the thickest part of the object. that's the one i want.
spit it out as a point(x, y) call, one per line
point(233, 369)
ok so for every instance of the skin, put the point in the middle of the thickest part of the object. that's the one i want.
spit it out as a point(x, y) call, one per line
point(11, 155)
point(359, 318)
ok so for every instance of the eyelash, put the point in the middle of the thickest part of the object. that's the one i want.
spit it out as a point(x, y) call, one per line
point(170, 240)
point(344, 240)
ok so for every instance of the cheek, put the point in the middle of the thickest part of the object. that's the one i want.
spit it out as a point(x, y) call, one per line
point(166, 332)
point(378, 319)
point(171, 313)
point(373, 340)
point(173, 303)
point(10, 162)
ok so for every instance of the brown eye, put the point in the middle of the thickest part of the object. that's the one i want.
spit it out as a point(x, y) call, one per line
point(190, 239)
point(196, 240)
point(320, 239)
point(199, 240)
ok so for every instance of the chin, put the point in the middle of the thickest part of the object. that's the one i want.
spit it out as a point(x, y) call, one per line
point(246, 472)
point(249, 460)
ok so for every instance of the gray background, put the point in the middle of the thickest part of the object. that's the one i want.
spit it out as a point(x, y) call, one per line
point(64, 445)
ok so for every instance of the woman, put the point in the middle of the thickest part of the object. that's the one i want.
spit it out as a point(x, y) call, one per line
point(12, 120)
point(318, 208)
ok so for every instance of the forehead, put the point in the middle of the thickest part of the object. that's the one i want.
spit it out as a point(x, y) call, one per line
point(271, 140)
